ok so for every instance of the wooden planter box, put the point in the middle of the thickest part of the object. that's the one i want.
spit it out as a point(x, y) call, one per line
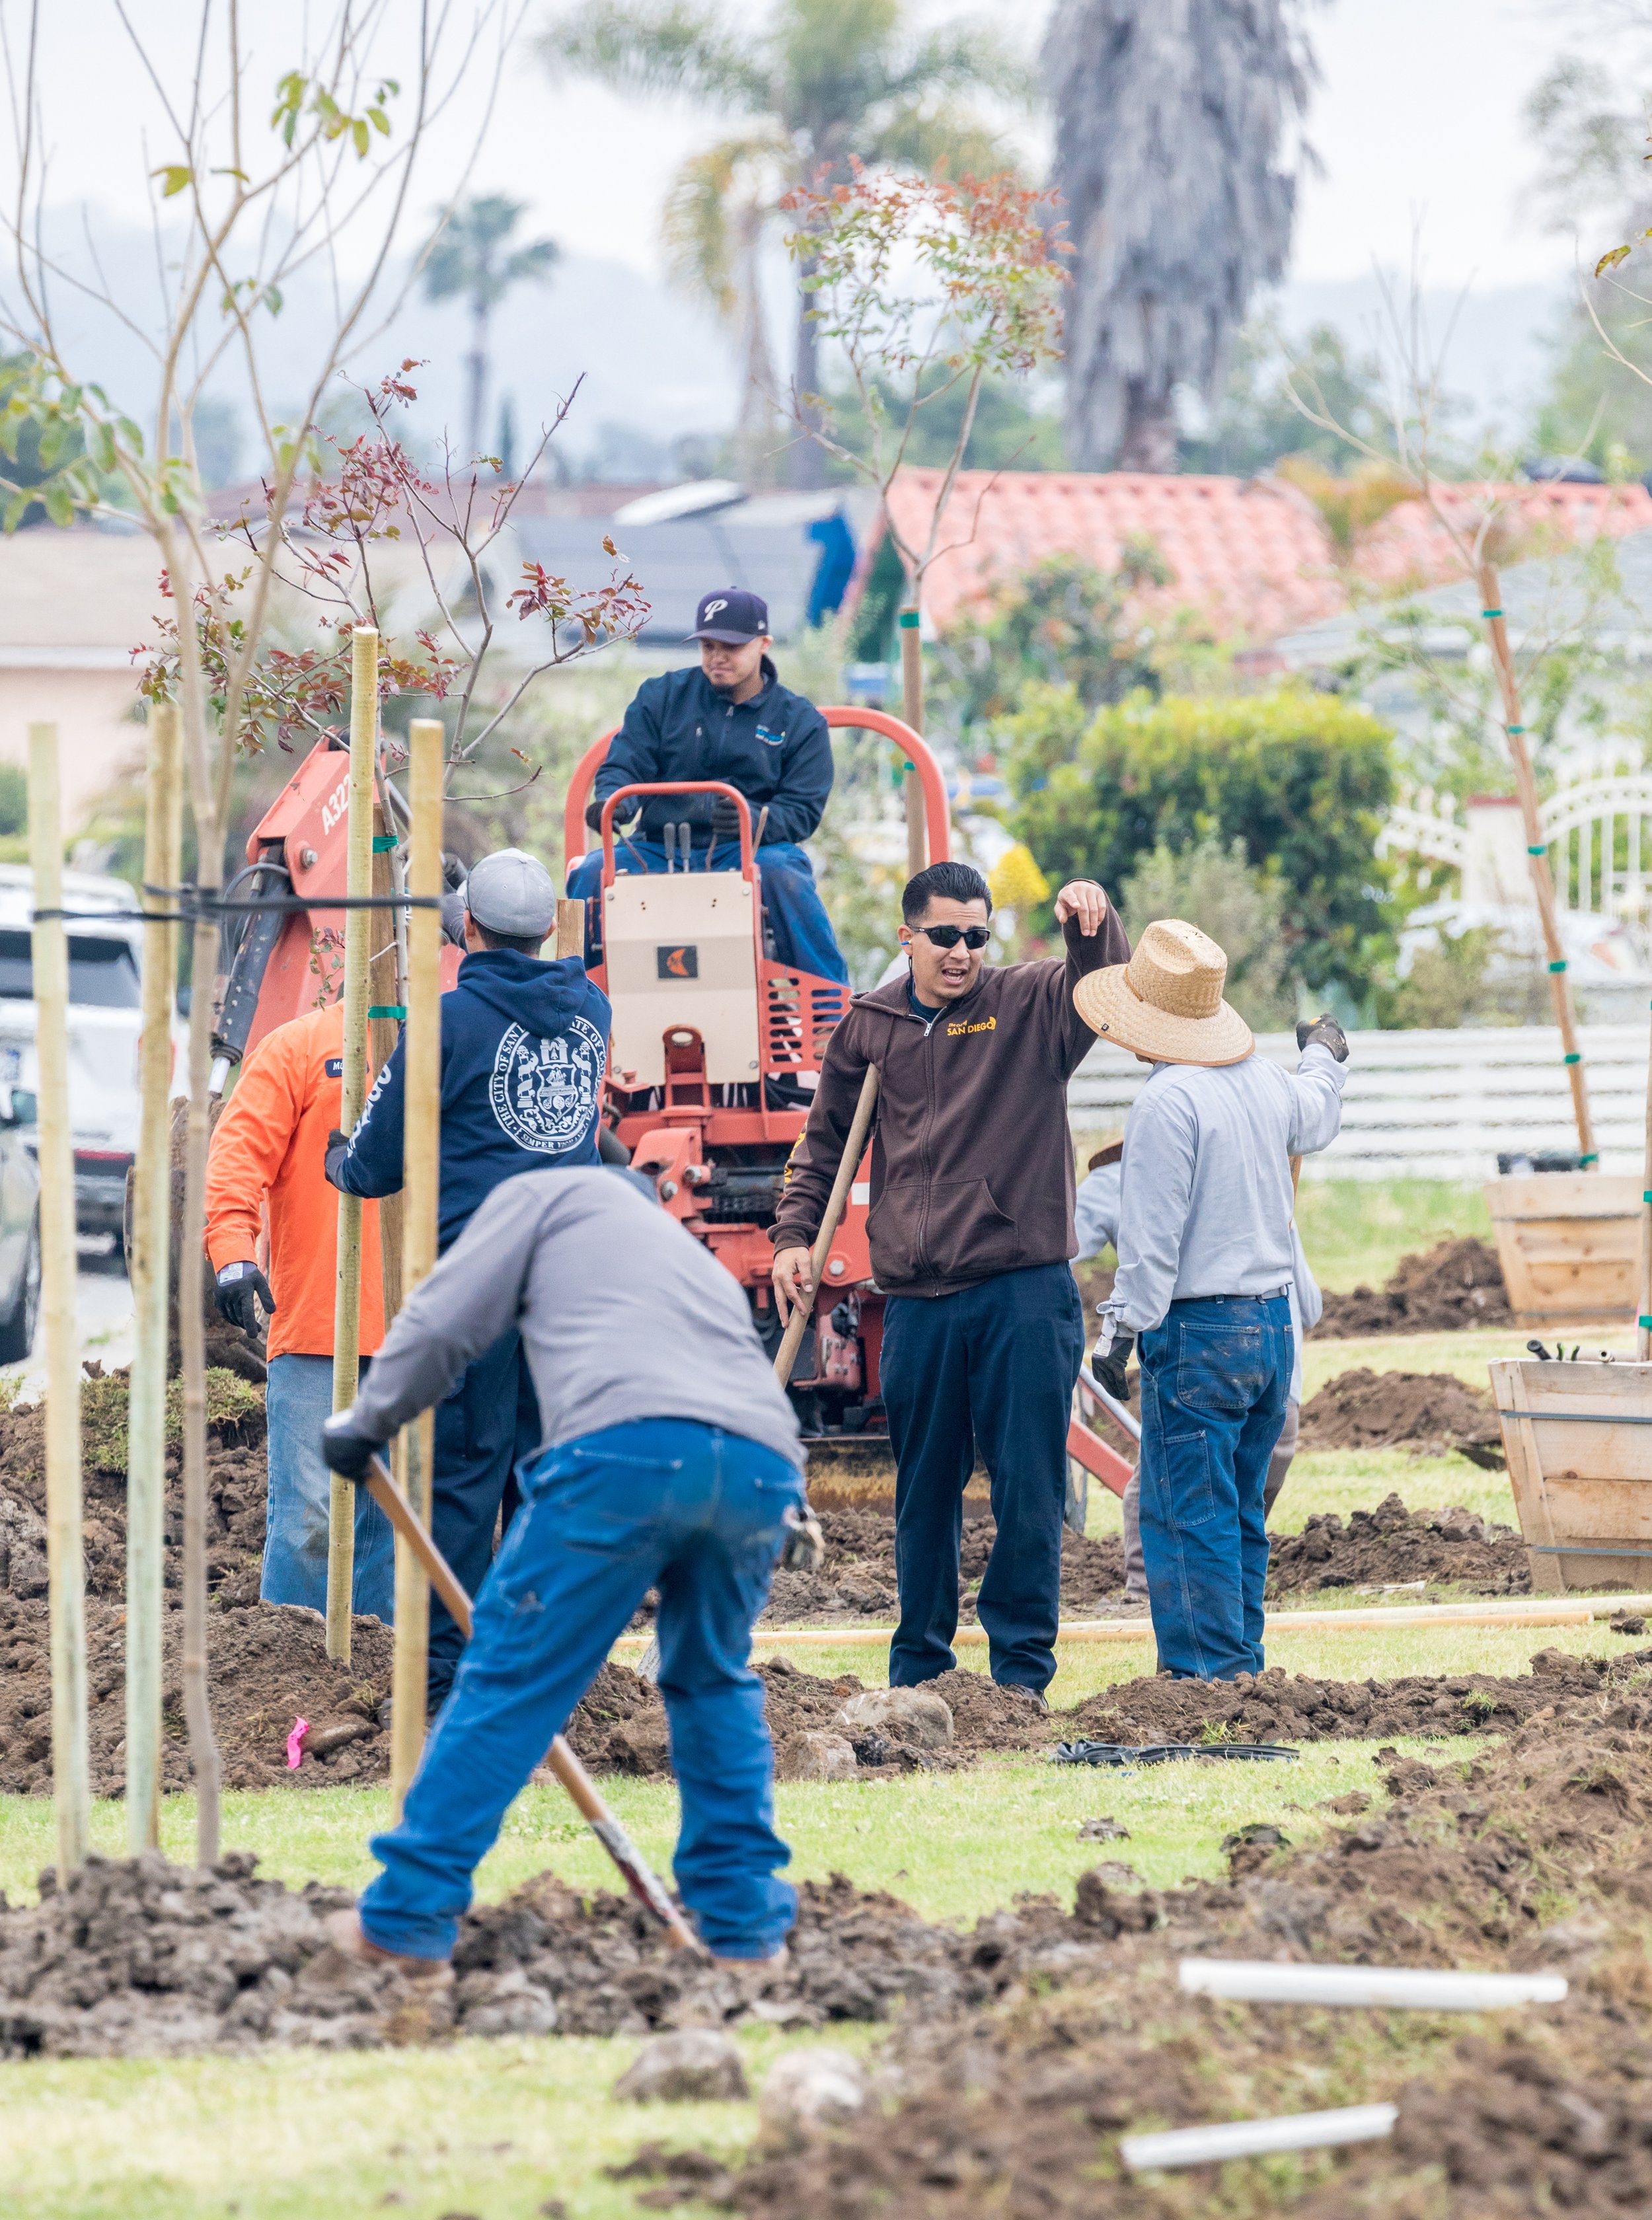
point(1570, 1244)
point(1579, 1441)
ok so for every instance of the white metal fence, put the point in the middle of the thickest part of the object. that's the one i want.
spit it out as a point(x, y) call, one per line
point(1437, 1105)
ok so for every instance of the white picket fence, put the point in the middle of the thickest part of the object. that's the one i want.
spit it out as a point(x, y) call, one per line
point(1437, 1105)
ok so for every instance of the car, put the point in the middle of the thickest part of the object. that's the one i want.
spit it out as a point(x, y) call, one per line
point(105, 1020)
point(20, 1227)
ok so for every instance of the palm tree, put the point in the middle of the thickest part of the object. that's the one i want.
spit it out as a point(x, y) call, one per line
point(817, 82)
point(1171, 118)
point(468, 260)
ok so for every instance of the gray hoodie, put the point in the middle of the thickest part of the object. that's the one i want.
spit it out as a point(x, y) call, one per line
point(622, 1315)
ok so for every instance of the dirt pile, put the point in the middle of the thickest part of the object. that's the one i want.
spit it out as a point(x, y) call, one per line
point(857, 1579)
point(1393, 1547)
point(236, 1483)
point(1539, 1857)
point(1455, 1284)
point(269, 1667)
point(1280, 1706)
point(1430, 1413)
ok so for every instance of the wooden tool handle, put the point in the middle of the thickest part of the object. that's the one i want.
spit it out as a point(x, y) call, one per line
point(639, 1877)
point(848, 1164)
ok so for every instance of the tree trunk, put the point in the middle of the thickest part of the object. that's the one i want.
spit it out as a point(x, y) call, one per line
point(808, 458)
point(1149, 440)
point(197, 1702)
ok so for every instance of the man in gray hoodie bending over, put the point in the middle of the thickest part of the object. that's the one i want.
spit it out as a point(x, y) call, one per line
point(669, 1460)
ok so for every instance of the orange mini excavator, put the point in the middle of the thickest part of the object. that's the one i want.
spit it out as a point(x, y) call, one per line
point(716, 1051)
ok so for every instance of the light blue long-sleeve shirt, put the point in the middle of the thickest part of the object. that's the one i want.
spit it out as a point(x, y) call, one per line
point(1205, 1205)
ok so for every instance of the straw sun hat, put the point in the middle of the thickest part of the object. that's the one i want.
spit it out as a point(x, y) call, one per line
point(1167, 1001)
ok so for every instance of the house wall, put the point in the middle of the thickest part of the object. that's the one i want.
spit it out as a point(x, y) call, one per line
point(99, 741)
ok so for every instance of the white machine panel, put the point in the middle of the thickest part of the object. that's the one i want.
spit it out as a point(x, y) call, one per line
point(680, 952)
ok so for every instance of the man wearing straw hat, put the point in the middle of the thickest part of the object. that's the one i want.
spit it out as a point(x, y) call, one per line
point(1205, 1269)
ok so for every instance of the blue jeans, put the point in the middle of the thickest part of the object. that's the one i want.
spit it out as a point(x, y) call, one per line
point(485, 1428)
point(659, 1502)
point(1215, 1376)
point(802, 930)
point(992, 1366)
point(298, 1401)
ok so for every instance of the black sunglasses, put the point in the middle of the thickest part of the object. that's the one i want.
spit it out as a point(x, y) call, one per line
point(948, 936)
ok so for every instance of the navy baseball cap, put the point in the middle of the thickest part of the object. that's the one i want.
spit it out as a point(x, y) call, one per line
point(732, 615)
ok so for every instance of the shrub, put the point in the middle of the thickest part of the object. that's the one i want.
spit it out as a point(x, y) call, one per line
point(1299, 779)
point(1215, 888)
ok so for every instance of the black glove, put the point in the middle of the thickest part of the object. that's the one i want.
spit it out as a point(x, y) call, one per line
point(1326, 1033)
point(1108, 1370)
point(338, 1145)
point(346, 1450)
point(624, 812)
point(237, 1285)
point(725, 818)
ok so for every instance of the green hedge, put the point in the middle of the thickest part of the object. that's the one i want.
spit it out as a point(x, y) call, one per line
point(1301, 778)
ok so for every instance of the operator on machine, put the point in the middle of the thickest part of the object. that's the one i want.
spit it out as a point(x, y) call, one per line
point(524, 1050)
point(670, 1461)
point(730, 720)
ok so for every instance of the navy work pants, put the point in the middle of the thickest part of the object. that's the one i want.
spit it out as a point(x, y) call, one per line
point(802, 930)
point(992, 1368)
point(1215, 1377)
point(483, 1430)
point(665, 1503)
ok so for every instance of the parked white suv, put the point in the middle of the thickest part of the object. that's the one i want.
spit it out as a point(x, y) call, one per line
point(105, 1018)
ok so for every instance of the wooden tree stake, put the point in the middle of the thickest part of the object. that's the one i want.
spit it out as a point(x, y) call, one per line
point(65, 1561)
point(358, 956)
point(912, 710)
point(420, 1177)
point(385, 991)
point(1538, 855)
point(146, 1487)
point(570, 928)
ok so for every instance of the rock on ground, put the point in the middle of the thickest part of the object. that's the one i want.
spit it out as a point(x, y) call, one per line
point(695, 2065)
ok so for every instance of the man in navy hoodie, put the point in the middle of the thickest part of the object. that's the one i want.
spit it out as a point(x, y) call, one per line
point(730, 719)
point(524, 1047)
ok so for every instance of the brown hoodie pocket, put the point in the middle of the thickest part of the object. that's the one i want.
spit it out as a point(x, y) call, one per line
point(892, 1229)
point(965, 1234)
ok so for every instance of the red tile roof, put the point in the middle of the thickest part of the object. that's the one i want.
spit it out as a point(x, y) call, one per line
point(1250, 555)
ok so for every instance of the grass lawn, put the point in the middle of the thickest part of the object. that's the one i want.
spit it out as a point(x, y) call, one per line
point(1356, 1230)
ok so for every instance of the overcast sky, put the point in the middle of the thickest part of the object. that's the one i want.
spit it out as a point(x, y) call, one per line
point(1418, 118)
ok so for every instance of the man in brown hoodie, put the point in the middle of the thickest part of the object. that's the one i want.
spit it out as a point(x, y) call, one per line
point(971, 1229)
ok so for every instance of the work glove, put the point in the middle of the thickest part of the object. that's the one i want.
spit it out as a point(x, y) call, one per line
point(237, 1286)
point(1325, 1032)
point(345, 1447)
point(725, 818)
point(624, 815)
point(803, 1550)
point(338, 1147)
point(1107, 1364)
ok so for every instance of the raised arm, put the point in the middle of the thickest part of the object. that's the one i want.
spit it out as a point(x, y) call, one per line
point(1095, 938)
point(1316, 1096)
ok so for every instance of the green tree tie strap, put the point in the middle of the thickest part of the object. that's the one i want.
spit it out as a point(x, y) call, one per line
point(1490, 612)
point(1591, 1158)
point(395, 1010)
point(1559, 965)
point(908, 620)
point(384, 841)
point(1572, 1056)
point(1514, 728)
point(1645, 1324)
point(1541, 849)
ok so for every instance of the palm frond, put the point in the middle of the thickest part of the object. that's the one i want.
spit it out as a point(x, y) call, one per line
point(657, 46)
point(698, 228)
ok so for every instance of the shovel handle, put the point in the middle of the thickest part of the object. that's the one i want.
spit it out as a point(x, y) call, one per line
point(639, 1876)
point(848, 1164)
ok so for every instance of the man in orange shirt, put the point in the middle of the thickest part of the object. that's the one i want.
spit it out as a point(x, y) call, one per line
point(268, 1147)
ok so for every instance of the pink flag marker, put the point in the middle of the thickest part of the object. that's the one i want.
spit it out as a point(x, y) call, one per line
point(295, 1744)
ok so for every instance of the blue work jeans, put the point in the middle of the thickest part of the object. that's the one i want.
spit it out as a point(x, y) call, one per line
point(1215, 1376)
point(298, 1402)
point(665, 1503)
point(802, 930)
point(991, 1368)
point(483, 1430)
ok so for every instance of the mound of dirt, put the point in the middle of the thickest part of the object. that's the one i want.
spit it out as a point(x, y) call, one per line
point(857, 1579)
point(1455, 1284)
point(268, 1667)
point(1393, 1547)
point(1430, 1413)
point(1280, 1706)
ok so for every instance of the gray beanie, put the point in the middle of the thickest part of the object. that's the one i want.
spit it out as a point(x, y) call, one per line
point(512, 893)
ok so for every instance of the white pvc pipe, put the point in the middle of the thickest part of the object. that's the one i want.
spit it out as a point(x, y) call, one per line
point(1352, 2123)
point(1406, 1988)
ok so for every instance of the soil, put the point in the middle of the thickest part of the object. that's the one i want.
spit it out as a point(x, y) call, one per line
point(1393, 1547)
point(1430, 1413)
point(857, 1579)
point(1455, 1284)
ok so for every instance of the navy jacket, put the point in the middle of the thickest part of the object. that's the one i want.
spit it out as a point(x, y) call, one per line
point(774, 749)
point(524, 1045)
